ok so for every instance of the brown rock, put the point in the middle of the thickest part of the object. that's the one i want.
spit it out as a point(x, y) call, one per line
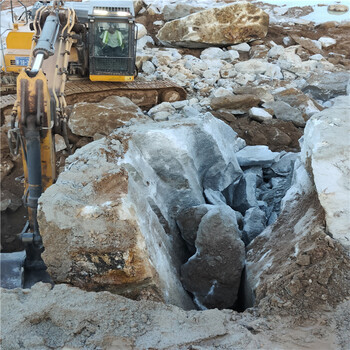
point(306, 43)
point(327, 25)
point(87, 119)
point(261, 92)
point(303, 260)
point(236, 102)
point(277, 134)
point(233, 24)
point(298, 99)
point(223, 115)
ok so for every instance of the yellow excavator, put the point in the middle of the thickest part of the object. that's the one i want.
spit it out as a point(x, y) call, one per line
point(94, 39)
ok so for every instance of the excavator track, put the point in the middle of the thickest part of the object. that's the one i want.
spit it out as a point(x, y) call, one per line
point(145, 93)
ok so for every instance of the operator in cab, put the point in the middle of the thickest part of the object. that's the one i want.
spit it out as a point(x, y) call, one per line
point(112, 42)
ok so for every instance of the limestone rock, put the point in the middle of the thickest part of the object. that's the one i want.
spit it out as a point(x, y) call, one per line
point(257, 156)
point(327, 85)
point(235, 102)
point(325, 141)
point(213, 274)
point(87, 119)
point(108, 223)
point(259, 114)
point(254, 223)
point(233, 24)
point(243, 47)
point(284, 111)
point(188, 221)
point(297, 99)
point(141, 31)
point(244, 193)
point(326, 41)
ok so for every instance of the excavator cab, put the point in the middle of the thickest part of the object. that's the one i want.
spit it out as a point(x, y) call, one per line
point(112, 44)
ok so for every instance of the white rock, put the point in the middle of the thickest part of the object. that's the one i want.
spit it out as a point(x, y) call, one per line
point(141, 31)
point(162, 107)
point(287, 75)
point(148, 67)
point(161, 116)
point(214, 53)
point(158, 23)
point(326, 137)
point(259, 114)
point(273, 71)
point(287, 41)
point(257, 155)
point(234, 55)
point(193, 101)
point(221, 92)
point(228, 71)
point(244, 47)
point(214, 63)
point(243, 79)
point(326, 41)
point(252, 66)
point(211, 76)
point(190, 111)
point(179, 104)
point(60, 145)
point(276, 51)
point(195, 65)
point(289, 59)
point(142, 42)
point(205, 102)
point(317, 57)
point(317, 43)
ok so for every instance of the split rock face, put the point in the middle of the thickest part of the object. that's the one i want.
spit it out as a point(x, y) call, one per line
point(109, 221)
point(234, 24)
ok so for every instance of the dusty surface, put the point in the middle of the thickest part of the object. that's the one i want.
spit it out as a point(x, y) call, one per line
point(68, 318)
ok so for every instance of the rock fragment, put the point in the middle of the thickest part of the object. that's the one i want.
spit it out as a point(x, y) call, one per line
point(257, 156)
point(235, 102)
point(284, 111)
point(213, 274)
point(87, 119)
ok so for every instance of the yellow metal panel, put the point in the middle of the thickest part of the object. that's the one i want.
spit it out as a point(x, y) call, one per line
point(111, 78)
point(19, 40)
point(12, 67)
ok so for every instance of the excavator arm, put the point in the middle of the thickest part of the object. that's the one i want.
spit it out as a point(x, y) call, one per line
point(39, 113)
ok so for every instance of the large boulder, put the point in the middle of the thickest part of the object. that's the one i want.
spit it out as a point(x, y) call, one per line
point(109, 221)
point(233, 24)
